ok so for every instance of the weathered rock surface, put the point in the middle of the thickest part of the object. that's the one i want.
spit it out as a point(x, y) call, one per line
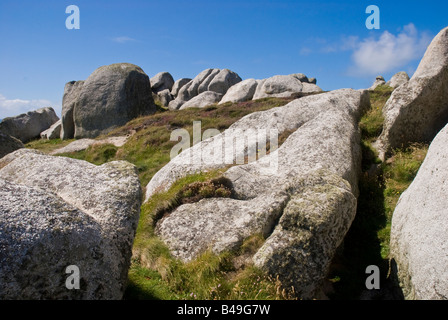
point(58, 212)
point(285, 86)
point(301, 77)
point(419, 232)
point(289, 117)
point(162, 81)
point(109, 98)
point(398, 79)
point(202, 100)
point(202, 86)
point(178, 85)
point(379, 81)
point(29, 125)
point(418, 109)
point(54, 132)
point(164, 97)
point(312, 227)
point(223, 81)
point(310, 88)
point(9, 144)
point(216, 80)
point(175, 104)
point(13, 155)
point(191, 89)
point(72, 91)
point(242, 91)
point(278, 86)
point(316, 169)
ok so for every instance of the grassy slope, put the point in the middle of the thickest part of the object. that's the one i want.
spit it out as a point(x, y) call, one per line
point(149, 146)
point(154, 274)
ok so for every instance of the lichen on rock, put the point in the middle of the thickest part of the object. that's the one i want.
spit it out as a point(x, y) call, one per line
point(57, 212)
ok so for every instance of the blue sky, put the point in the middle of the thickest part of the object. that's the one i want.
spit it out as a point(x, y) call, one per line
point(257, 39)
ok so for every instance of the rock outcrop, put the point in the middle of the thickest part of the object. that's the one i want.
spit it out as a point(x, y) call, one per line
point(419, 232)
point(278, 86)
point(72, 90)
point(310, 88)
point(57, 212)
point(309, 184)
point(379, 81)
point(285, 118)
point(28, 126)
point(9, 144)
point(162, 81)
point(233, 89)
point(110, 97)
point(202, 100)
point(301, 77)
point(418, 109)
point(313, 224)
point(398, 79)
point(284, 86)
point(242, 91)
point(215, 80)
point(223, 81)
point(178, 85)
point(54, 132)
point(164, 97)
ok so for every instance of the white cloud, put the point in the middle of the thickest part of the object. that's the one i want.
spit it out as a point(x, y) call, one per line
point(374, 56)
point(379, 54)
point(14, 107)
point(123, 39)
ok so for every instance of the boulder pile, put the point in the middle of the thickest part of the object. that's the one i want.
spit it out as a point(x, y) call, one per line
point(218, 86)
